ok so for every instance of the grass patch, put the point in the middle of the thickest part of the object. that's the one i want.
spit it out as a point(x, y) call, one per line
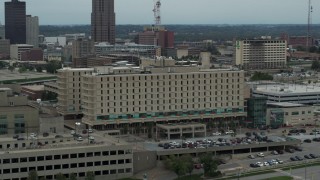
point(301, 166)
point(27, 80)
point(192, 177)
point(280, 178)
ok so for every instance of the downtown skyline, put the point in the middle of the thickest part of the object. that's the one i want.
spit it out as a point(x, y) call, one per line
point(58, 12)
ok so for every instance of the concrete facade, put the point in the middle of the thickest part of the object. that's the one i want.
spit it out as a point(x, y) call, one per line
point(261, 54)
point(293, 114)
point(51, 124)
point(82, 48)
point(125, 95)
point(181, 130)
point(15, 115)
point(32, 30)
point(4, 47)
point(69, 91)
point(16, 49)
point(105, 161)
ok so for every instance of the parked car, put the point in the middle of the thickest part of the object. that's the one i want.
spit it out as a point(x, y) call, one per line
point(274, 152)
point(260, 164)
point(281, 151)
point(299, 158)
point(72, 132)
point(290, 150)
point(20, 138)
point(58, 136)
point(266, 164)
point(297, 148)
point(198, 166)
point(260, 155)
point(293, 159)
point(79, 138)
point(15, 136)
point(254, 165)
point(229, 132)
point(251, 156)
point(91, 138)
point(33, 135)
point(307, 156)
point(279, 161)
point(307, 140)
point(248, 134)
point(45, 134)
point(90, 131)
point(303, 131)
point(313, 156)
point(216, 134)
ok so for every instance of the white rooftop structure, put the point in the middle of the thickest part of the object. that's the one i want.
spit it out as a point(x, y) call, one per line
point(293, 93)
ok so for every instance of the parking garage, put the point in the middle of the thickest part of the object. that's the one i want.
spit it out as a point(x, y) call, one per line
point(181, 130)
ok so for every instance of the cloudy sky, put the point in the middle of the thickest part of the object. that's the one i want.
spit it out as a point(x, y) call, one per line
point(177, 11)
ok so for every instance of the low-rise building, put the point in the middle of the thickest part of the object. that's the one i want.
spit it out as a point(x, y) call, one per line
point(16, 116)
point(34, 92)
point(289, 114)
point(49, 157)
point(293, 93)
point(16, 49)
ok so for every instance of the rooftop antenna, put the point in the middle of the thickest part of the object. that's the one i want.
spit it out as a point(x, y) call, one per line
point(156, 11)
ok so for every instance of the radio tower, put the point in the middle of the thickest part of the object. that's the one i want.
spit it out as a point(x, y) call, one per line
point(156, 11)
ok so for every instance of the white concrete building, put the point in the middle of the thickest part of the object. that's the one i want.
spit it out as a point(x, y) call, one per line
point(293, 93)
point(261, 54)
point(16, 49)
point(118, 96)
point(32, 30)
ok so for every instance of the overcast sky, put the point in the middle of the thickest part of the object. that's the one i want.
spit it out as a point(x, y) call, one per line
point(177, 11)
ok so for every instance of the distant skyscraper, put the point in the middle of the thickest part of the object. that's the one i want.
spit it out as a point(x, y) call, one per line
point(103, 20)
point(32, 30)
point(2, 32)
point(15, 21)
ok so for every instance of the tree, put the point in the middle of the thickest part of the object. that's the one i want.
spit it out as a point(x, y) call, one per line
point(11, 68)
point(22, 69)
point(73, 176)
point(258, 76)
point(313, 49)
point(181, 165)
point(187, 159)
point(3, 64)
point(53, 66)
point(90, 176)
point(60, 176)
point(315, 65)
point(39, 69)
point(209, 166)
point(33, 175)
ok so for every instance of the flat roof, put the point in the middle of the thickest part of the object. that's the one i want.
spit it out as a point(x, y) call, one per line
point(35, 87)
point(6, 75)
point(16, 108)
point(286, 89)
point(286, 104)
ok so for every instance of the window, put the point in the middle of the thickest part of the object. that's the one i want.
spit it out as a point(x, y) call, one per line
point(73, 165)
point(113, 153)
point(65, 166)
point(295, 113)
point(57, 157)
point(15, 170)
point(81, 155)
point(40, 158)
point(6, 161)
point(57, 166)
point(73, 155)
point(97, 153)
point(97, 163)
point(48, 158)
point(23, 160)
point(32, 159)
point(40, 168)
point(82, 164)
point(49, 167)
point(89, 164)
point(65, 156)
point(24, 169)
point(90, 154)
